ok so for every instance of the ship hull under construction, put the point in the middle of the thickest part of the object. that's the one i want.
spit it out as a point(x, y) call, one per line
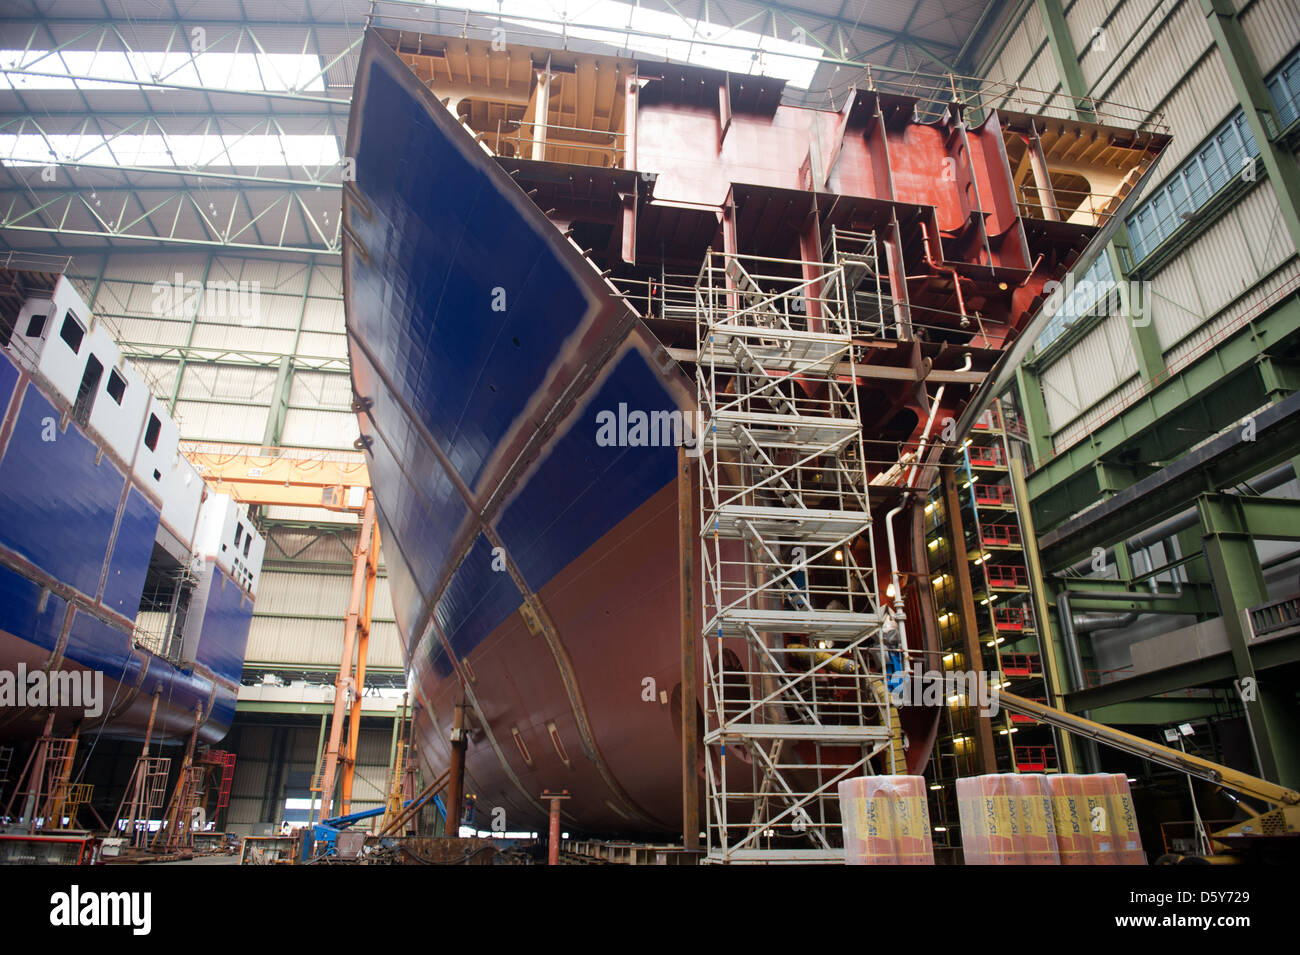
point(530, 524)
point(125, 603)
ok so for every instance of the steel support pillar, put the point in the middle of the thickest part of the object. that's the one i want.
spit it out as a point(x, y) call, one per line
point(456, 772)
point(189, 339)
point(554, 800)
point(1066, 59)
point(279, 409)
point(540, 120)
point(1141, 328)
point(687, 541)
point(1034, 409)
point(1042, 598)
point(345, 686)
point(1229, 548)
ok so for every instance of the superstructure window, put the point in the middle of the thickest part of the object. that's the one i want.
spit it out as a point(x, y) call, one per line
point(116, 387)
point(36, 326)
point(151, 433)
point(239, 533)
point(72, 332)
point(248, 542)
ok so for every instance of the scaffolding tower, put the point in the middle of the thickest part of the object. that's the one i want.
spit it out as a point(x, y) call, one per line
point(796, 643)
point(45, 794)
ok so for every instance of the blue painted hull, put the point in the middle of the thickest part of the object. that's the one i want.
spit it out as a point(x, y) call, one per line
point(483, 346)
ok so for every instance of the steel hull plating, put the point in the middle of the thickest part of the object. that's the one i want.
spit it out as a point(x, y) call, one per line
point(492, 491)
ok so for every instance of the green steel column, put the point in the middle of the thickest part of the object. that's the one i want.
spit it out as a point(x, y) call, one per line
point(1033, 406)
point(1238, 584)
point(1042, 597)
point(91, 303)
point(189, 339)
point(1280, 378)
point(1067, 60)
point(1248, 83)
point(1142, 330)
point(279, 409)
point(1123, 564)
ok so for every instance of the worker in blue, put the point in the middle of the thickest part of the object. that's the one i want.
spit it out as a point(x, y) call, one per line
point(892, 661)
point(796, 584)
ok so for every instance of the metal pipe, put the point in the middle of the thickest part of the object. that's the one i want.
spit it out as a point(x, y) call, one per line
point(894, 583)
point(1090, 756)
point(1090, 622)
point(929, 422)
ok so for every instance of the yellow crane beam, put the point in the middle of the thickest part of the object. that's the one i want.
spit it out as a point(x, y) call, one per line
point(1220, 775)
point(288, 477)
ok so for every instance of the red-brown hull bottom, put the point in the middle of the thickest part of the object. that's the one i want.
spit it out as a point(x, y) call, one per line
point(616, 609)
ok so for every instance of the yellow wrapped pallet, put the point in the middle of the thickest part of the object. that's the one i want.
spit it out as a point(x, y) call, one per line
point(1124, 829)
point(886, 821)
point(990, 820)
point(1095, 821)
point(1073, 835)
point(1037, 827)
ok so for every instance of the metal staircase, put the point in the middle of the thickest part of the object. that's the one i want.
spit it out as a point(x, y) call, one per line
point(792, 620)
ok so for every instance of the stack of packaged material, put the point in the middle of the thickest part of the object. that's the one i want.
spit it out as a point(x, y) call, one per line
point(886, 821)
point(1006, 819)
point(1037, 819)
point(1095, 821)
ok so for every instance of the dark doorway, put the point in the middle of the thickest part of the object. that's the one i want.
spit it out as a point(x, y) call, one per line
point(88, 390)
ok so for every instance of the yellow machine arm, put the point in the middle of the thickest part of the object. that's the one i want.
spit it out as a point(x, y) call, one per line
point(1224, 776)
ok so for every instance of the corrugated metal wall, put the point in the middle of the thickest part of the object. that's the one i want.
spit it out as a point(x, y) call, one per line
point(1224, 274)
point(298, 621)
point(1099, 362)
point(282, 308)
point(1270, 26)
point(1026, 59)
point(1159, 54)
point(276, 762)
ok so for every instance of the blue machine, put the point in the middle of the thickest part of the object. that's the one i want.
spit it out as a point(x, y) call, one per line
point(325, 833)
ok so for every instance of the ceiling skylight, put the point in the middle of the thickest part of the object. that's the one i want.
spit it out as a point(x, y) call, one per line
point(684, 39)
point(91, 69)
point(193, 151)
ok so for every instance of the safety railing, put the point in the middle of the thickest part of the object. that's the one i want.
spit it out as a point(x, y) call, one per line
point(1012, 619)
point(554, 142)
point(999, 535)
